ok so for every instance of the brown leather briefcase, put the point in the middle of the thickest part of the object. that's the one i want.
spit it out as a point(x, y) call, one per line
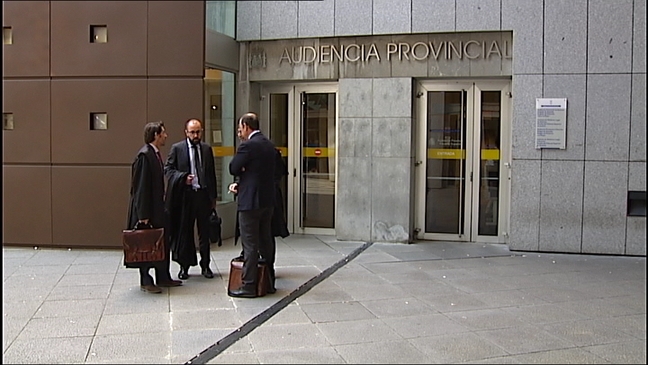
point(143, 245)
point(236, 273)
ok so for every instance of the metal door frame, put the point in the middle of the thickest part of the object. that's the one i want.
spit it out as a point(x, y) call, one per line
point(295, 125)
point(472, 158)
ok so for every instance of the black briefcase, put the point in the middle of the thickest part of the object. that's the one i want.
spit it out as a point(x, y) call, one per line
point(215, 228)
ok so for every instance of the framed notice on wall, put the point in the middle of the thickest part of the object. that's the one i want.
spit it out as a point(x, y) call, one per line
point(551, 123)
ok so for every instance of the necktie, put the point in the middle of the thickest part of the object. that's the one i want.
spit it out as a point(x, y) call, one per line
point(159, 157)
point(198, 166)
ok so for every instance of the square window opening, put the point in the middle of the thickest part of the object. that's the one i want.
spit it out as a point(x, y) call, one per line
point(98, 121)
point(98, 34)
point(636, 203)
point(7, 35)
point(7, 121)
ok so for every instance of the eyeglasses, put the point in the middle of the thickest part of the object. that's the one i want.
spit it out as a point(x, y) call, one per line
point(194, 132)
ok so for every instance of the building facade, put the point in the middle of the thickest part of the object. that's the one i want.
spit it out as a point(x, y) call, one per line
point(520, 122)
point(80, 81)
point(424, 119)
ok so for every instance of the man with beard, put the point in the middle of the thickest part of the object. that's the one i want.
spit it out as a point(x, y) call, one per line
point(191, 195)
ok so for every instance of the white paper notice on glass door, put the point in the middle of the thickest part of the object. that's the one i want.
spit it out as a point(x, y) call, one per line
point(551, 123)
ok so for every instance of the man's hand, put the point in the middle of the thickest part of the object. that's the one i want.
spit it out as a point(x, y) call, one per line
point(233, 188)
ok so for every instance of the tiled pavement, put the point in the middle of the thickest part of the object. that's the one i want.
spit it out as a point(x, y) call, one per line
point(337, 302)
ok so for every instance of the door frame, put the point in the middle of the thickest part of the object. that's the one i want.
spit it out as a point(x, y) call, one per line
point(294, 90)
point(472, 158)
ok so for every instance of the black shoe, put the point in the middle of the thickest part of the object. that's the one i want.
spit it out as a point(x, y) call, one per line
point(151, 289)
point(242, 292)
point(184, 273)
point(206, 272)
point(169, 283)
point(271, 289)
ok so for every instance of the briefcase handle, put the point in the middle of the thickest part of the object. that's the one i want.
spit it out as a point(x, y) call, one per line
point(142, 225)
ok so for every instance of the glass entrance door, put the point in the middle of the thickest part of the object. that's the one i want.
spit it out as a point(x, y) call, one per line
point(462, 161)
point(303, 125)
point(317, 173)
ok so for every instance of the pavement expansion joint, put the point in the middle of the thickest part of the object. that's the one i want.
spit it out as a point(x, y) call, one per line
point(220, 346)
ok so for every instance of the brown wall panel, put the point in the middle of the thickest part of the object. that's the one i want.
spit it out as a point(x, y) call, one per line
point(27, 205)
point(89, 205)
point(72, 102)
point(80, 198)
point(29, 141)
point(123, 54)
point(30, 25)
point(174, 101)
point(176, 38)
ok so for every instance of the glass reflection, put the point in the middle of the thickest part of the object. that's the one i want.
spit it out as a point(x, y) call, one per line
point(220, 124)
point(445, 175)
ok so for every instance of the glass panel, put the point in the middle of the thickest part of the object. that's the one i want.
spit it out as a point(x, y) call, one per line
point(221, 17)
point(279, 136)
point(445, 172)
point(318, 161)
point(220, 125)
point(489, 163)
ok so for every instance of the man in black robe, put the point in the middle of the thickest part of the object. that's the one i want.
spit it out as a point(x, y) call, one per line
point(146, 205)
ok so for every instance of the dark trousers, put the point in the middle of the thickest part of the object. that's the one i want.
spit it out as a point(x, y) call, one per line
point(161, 268)
point(199, 215)
point(256, 239)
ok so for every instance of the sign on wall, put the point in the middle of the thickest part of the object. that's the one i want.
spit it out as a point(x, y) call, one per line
point(462, 54)
point(551, 123)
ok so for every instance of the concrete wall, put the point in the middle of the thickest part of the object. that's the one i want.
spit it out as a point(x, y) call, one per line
point(67, 185)
point(374, 137)
point(591, 52)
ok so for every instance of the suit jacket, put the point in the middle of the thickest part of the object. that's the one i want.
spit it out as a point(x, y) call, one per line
point(178, 161)
point(254, 165)
point(177, 167)
point(279, 226)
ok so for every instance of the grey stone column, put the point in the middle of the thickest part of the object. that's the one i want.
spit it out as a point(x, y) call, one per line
point(375, 160)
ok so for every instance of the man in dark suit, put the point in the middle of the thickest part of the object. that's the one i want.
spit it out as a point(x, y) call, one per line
point(191, 195)
point(254, 166)
point(278, 226)
point(147, 203)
